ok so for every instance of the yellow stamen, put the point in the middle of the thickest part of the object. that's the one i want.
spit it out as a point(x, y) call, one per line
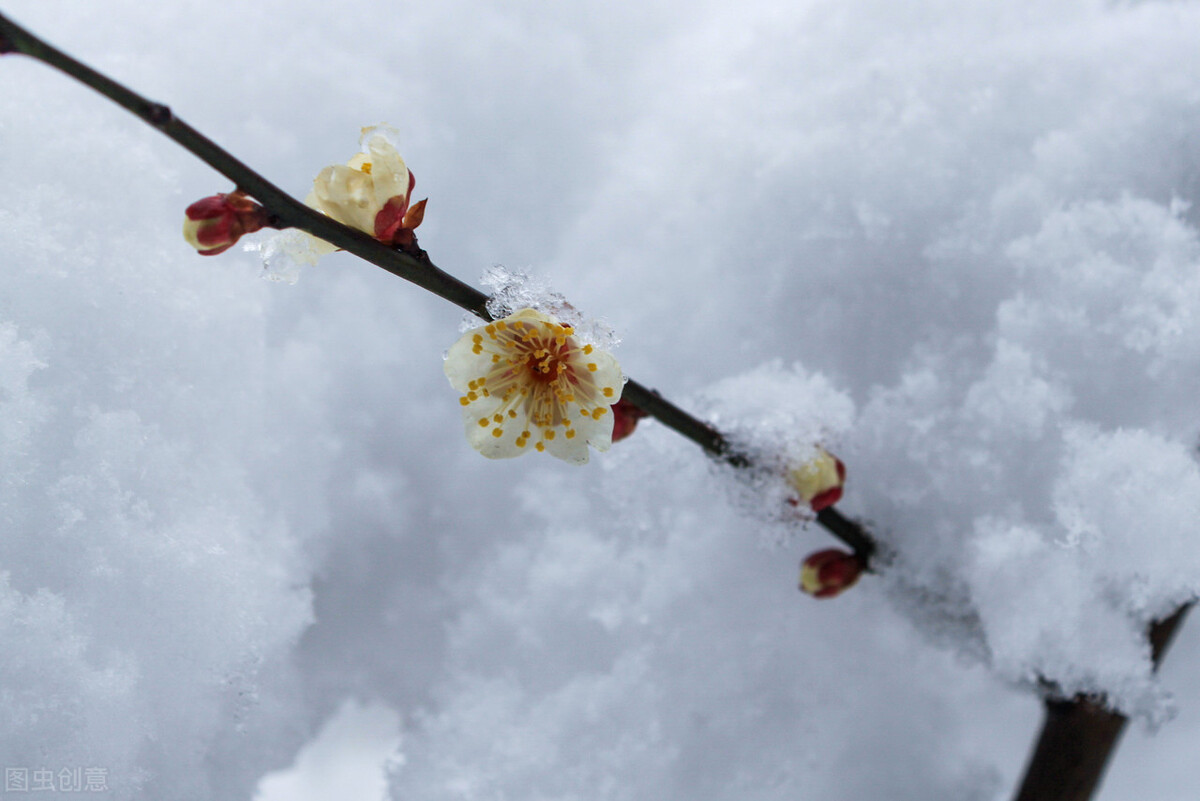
point(608, 392)
point(497, 432)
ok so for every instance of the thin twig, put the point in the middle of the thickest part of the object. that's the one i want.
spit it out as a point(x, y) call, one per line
point(287, 212)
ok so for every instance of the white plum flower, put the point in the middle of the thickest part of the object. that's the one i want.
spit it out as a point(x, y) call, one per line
point(371, 192)
point(528, 384)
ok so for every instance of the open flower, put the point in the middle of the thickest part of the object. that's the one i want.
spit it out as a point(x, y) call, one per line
point(818, 481)
point(528, 384)
point(371, 192)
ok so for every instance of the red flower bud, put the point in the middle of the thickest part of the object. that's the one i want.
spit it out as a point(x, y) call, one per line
point(827, 573)
point(818, 481)
point(625, 417)
point(214, 224)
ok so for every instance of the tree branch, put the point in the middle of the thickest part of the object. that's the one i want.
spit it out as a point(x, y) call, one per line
point(1080, 734)
point(287, 212)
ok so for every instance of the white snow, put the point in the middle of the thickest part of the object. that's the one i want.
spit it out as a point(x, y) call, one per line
point(956, 244)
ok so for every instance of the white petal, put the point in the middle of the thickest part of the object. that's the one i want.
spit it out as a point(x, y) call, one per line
point(388, 171)
point(463, 365)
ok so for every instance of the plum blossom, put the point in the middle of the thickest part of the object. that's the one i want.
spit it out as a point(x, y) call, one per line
point(529, 384)
point(371, 192)
point(828, 573)
point(214, 224)
point(818, 481)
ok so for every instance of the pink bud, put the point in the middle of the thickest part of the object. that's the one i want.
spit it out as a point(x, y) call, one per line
point(214, 224)
point(818, 481)
point(625, 417)
point(827, 573)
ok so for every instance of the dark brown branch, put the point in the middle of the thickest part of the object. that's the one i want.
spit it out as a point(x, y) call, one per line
point(1080, 734)
point(287, 212)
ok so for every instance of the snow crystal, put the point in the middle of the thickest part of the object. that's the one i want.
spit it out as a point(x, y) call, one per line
point(285, 254)
point(513, 290)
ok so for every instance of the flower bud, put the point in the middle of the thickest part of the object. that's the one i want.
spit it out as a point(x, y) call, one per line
point(818, 481)
point(827, 573)
point(625, 417)
point(214, 224)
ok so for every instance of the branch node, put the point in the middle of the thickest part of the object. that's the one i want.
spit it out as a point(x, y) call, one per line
point(158, 115)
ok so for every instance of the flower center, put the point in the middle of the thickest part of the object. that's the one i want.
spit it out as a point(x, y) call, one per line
point(544, 362)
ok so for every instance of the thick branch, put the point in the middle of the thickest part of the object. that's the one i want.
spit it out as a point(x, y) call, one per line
point(1079, 736)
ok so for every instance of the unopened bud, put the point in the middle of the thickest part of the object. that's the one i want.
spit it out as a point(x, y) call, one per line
point(625, 417)
point(214, 224)
point(827, 573)
point(818, 481)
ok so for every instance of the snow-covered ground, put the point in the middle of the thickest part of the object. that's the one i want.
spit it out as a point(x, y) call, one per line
point(956, 241)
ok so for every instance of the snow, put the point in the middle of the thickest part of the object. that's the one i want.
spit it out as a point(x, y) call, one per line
point(955, 244)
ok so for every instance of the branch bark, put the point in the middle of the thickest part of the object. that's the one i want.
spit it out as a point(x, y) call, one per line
point(1079, 736)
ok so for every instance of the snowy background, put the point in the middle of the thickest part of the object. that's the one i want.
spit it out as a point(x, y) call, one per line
point(243, 537)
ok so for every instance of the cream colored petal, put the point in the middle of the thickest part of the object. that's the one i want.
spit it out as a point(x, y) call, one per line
point(573, 451)
point(388, 171)
point(463, 365)
point(607, 374)
point(347, 196)
point(496, 434)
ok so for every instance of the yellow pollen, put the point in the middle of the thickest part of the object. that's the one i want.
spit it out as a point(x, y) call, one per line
point(483, 421)
point(499, 418)
point(592, 366)
point(549, 434)
point(521, 442)
point(587, 348)
point(366, 167)
point(495, 357)
point(477, 349)
point(497, 432)
point(477, 338)
point(598, 413)
point(525, 434)
point(570, 433)
point(539, 446)
point(608, 392)
point(491, 329)
point(512, 412)
point(486, 394)
point(464, 400)
point(473, 395)
point(501, 326)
